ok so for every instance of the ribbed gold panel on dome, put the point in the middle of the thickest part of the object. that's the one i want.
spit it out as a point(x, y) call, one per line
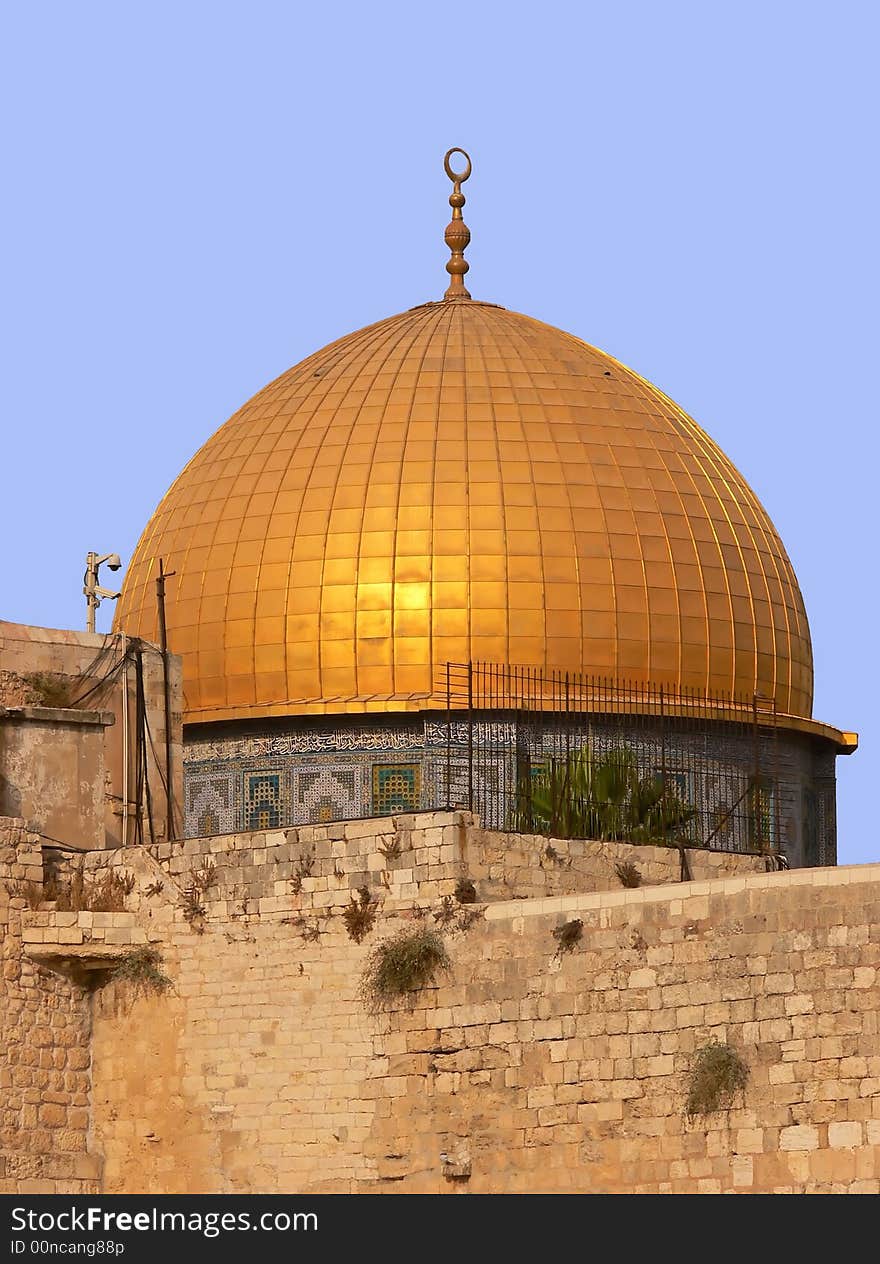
point(463, 482)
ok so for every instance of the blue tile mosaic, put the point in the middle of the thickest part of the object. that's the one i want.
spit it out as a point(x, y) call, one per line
point(302, 772)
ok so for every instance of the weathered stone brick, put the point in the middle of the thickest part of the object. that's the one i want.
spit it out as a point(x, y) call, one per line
point(799, 1137)
point(845, 1134)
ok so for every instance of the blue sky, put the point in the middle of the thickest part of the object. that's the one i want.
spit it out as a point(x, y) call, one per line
point(198, 195)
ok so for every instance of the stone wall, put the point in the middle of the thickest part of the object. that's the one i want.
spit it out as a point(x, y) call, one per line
point(580, 1082)
point(527, 1069)
point(44, 1047)
point(62, 761)
point(53, 773)
point(419, 857)
point(527, 866)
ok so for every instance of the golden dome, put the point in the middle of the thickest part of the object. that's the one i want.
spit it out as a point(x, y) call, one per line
point(463, 482)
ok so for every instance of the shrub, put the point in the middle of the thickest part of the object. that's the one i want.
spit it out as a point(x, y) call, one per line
point(455, 915)
point(465, 891)
point(568, 935)
point(205, 876)
point(360, 915)
point(402, 966)
point(309, 928)
point(193, 909)
point(600, 795)
point(627, 874)
point(142, 968)
point(717, 1073)
point(468, 917)
point(305, 865)
point(49, 689)
point(101, 892)
point(446, 912)
point(392, 849)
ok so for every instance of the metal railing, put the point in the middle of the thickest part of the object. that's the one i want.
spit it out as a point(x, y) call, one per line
point(569, 755)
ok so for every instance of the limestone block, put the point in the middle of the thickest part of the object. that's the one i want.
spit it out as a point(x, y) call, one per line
point(113, 935)
point(799, 1137)
point(65, 935)
point(742, 1168)
point(800, 1003)
point(841, 1135)
point(749, 1141)
point(642, 978)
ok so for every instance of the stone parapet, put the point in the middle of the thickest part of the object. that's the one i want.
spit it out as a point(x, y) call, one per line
point(528, 1067)
point(418, 857)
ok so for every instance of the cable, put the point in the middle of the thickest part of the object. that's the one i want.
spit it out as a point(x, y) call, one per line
point(109, 638)
point(88, 672)
point(92, 669)
point(169, 795)
point(58, 843)
point(99, 685)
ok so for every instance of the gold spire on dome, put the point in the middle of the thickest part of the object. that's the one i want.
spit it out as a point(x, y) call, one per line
point(457, 234)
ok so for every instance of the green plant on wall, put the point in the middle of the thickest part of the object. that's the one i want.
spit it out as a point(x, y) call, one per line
point(50, 689)
point(601, 797)
point(717, 1072)
point(628, 874)
point(568, 936)
point(398, 968)
point(142, 967)
point(97, 891)
point(360, 914)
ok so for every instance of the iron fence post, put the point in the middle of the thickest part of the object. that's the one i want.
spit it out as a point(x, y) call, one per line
point(756, 777)
point(448, 739)
point(470, 736)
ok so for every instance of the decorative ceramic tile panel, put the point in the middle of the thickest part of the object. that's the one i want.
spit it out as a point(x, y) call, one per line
point(327, 792)
point(264, 800)
point(826, 812)
point(396, 788)
point(404, 735)
point(210, 804)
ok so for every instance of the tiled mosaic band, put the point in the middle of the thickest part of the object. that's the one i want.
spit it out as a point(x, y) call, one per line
point(303, 772)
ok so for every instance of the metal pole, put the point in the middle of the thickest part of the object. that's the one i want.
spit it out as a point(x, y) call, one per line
point(777, 836)
point(470, 737)
point(141, 782)
point(92, 589)
point(448, 740)
point(756, 779)
point(163, 645)
point(125, 741)
point(662, 742)
point(91, 583)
